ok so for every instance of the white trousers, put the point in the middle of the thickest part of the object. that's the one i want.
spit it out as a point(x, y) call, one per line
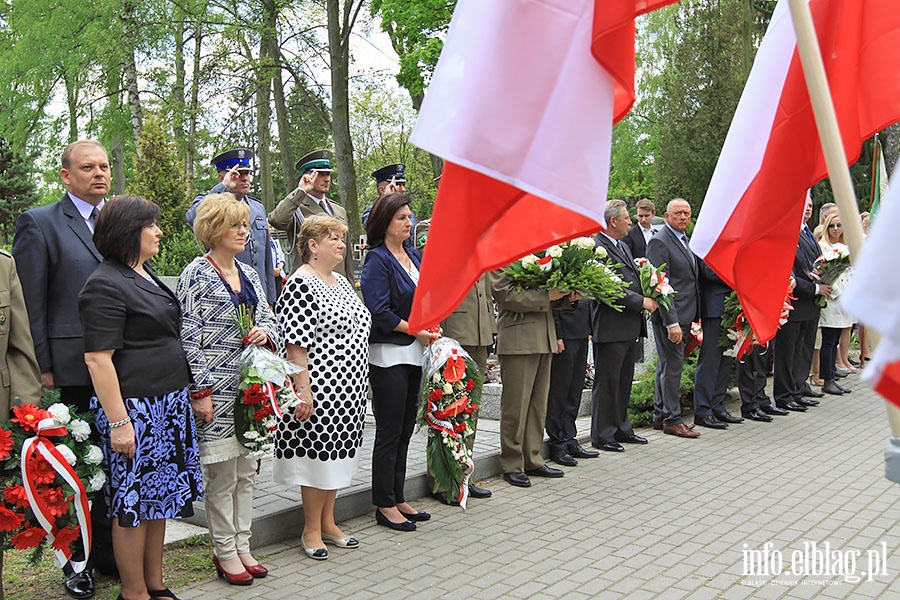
point(228, 488)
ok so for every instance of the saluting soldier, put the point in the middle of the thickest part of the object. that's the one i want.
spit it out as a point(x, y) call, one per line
point(309, 198)
point(235, 177)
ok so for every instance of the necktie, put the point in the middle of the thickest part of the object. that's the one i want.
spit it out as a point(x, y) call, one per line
point(324, 204)
point(684, 240)
point(93, 219)
point(809, 234)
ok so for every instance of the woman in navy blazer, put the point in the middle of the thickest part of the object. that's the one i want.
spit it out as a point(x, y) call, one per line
point(388, 282)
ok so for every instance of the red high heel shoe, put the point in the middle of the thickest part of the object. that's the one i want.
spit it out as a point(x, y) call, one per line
point(257, 571)
point(244, 578)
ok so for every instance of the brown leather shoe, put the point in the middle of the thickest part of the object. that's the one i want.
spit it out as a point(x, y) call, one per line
point(680, 430)
point(657, 425)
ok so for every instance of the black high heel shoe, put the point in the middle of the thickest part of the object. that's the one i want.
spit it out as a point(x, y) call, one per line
point(419, 516)
point(163, 593)
point(381, 519)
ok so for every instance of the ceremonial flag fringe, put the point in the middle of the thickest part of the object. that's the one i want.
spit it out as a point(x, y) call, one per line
point(521, 107)
point(879, 180)
point(749, 224)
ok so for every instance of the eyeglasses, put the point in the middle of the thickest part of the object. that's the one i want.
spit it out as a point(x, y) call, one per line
point(835, 226)
point(241, 225)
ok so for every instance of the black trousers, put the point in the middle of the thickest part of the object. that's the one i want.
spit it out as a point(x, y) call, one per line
point(713, 371)
point(567, 373)
point(395, 395)
point(101, 525)
point(831, 336)
point(751, 379)
point(793, 355)
point(613, 374)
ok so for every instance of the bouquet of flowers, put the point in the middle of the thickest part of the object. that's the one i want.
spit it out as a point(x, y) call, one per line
point(451, 393)
point(737, 336)
point(655, 283)
point(47, 467)
point(265, 391)
point(829, 267)
point(578, 265)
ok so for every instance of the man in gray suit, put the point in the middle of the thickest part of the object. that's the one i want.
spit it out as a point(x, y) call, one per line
point(55, 252)
point(672, 325)
point(614, 334)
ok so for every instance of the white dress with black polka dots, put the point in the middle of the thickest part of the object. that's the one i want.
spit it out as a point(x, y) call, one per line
point(333, 324)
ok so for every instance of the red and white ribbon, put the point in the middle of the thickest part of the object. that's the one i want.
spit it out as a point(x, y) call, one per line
point(271, 395)
point(41, 445)
point(443, 426)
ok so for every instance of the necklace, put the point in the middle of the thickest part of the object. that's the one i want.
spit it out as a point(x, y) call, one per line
point(327, 279)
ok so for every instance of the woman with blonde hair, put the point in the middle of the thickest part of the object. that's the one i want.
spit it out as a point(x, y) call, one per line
point(211, 289)
point(326, 330)
point(833, 321)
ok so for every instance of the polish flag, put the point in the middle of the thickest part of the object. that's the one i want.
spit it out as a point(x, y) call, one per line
point(521, 107)
point(748, 226)
point(872, 296)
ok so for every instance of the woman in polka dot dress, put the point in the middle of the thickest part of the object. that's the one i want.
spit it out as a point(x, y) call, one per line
point(326, 330)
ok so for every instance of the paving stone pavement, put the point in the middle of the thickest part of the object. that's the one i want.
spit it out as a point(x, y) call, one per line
point(674, 519)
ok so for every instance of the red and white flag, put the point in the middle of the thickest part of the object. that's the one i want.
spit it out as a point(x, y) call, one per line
point(872, 296)
point(747, 228)
point(521, 107)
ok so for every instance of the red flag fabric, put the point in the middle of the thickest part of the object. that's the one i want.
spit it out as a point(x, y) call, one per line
point(749, 223)
point(521, 109)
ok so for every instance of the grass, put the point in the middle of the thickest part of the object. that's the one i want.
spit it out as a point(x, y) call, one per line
point(184, 562)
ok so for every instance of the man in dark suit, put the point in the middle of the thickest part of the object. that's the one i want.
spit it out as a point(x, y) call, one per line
point(53, 245)
point(795, 340)
point(233, 167)
point(568, 369)
point(309, 198)
point(639, 235)
point(751, 380)
point(672, 325)
point(713, 367)
point(614, 334)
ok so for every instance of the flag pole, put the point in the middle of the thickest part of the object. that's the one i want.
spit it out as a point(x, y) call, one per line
point(875, 154)
point(832, 146)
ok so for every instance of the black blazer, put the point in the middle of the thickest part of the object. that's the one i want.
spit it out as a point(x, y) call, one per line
point(634, 239)
point(388, 293)
point(805, 307)
point(682, 268)
point(141, 322)
point(609, 325)
point(713, 292)
point(55, 255)
point(573, 324)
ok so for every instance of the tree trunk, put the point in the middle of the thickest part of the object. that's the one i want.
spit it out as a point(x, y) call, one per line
point(130, 73)
point(178, 103)
point(270, 40)
point(437, 163)
point(190, 152)
point(72, 106)
point(117, 139)
point(340, 24)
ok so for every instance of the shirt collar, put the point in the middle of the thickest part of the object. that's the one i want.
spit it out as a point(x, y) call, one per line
point(677, 233)
point(85, 208)
point(611, 238)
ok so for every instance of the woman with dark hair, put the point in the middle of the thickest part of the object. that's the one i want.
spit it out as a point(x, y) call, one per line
point(388, 283)
point(211, 289)
point(133, 351)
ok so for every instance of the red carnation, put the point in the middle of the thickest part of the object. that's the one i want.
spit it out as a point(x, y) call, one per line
point(28, 416)
point(435, 395)
point(65, 537)
point(263, 413)
point(57, 503)
point(9, 520)
point(15, 495)
point(459, 427)
point(470, 385)
point(40, 470)
point(28, 538)
point(6, 443)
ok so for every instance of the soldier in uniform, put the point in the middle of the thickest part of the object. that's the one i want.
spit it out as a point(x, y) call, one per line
point(234, 170)
point(309, 198)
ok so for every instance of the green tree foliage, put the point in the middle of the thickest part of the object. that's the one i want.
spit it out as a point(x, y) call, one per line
point(17, 190)
point(159, 178)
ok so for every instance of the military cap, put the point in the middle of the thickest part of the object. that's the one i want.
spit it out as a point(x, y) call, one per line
point(239, 157)
point(388, 172)
point(319, 160)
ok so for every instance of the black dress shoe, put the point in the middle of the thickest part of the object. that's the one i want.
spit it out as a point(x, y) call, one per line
point(808, 403)
point(727, 417)
point(80, 585)
point(811, 393)
point(832, 388)
point(578, 451)
point(793, 406)
point(843, 389)
point(444, 499)
point(612, 447)
point(381, 519)
point(756, 415)
point(544, 471)
point(479, 492)
point(565, 459)
point(633, 439)
point(773, 410)
point(709, 421)
point(517, 479)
